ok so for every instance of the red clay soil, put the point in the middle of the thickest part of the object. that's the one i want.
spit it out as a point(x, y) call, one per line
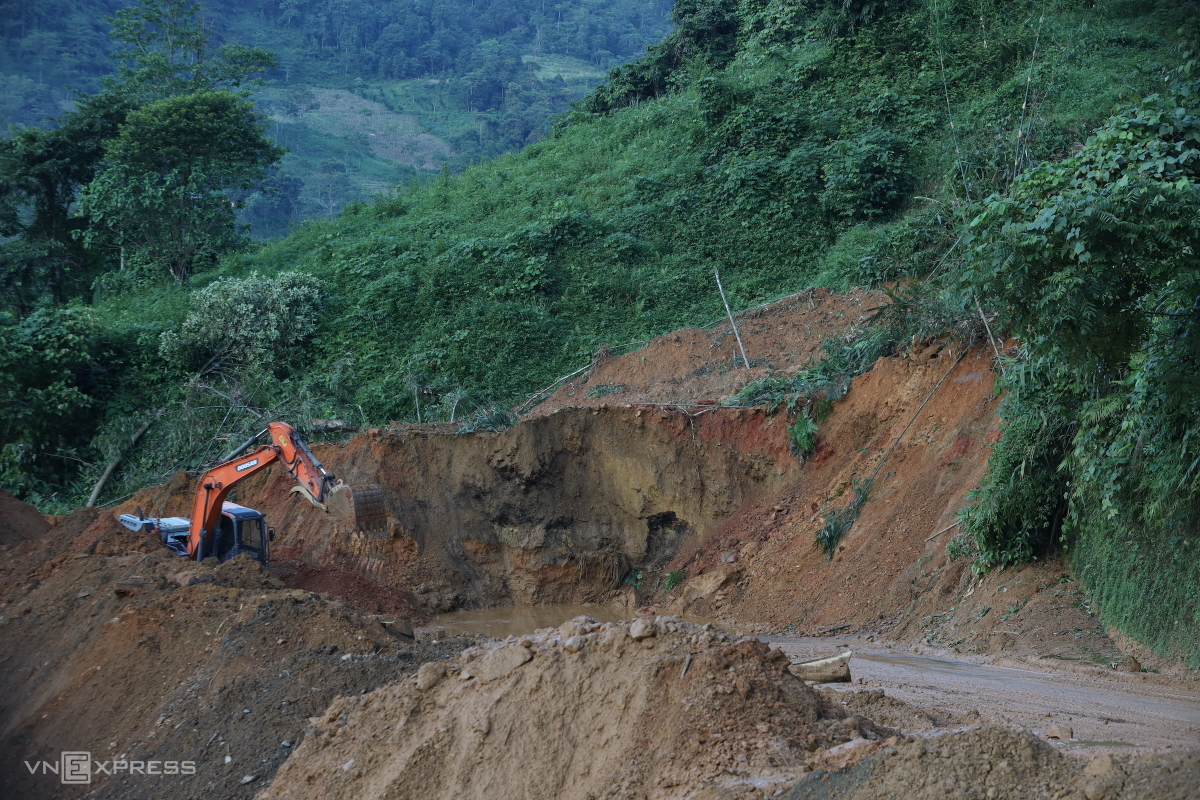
point(19, 521)
point(562, 506)
point(362, 593)
point(702, 366)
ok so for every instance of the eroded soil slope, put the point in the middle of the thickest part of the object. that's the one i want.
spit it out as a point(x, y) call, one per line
point(632, 469)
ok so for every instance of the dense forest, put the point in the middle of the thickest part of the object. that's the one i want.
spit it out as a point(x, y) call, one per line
point(365, 96)
point(1030, 164)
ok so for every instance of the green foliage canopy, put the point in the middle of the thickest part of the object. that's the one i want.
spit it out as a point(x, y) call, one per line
point(164, 188)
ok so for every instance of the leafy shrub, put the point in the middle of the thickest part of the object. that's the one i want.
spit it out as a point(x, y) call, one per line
point(1017, 510)
point(49, 388)
point(839, 522)
point(866, 177)
point(252, 323)
point(803, 436)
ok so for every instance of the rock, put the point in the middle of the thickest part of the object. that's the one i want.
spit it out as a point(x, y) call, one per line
point(707, 584)
point(729, 558)
point(570, 629)
point(430, 675)
point(642, 629)
point(84, 593)
point(1097, 790)
point(186, 579)
point(502, 661)
point(1128, 663)
point(402, 628)
point(432, 632)
point(249, 779)
point(1099, 767)
point(1060, 732)
point(573, 645)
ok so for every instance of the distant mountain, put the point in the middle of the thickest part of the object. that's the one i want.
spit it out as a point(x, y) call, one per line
point(368, 95)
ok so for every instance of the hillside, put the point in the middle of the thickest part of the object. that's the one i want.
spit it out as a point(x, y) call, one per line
point(651, 501)
point(468, 81)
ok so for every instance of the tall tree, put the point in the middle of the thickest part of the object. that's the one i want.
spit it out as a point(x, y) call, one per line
point(164, 191)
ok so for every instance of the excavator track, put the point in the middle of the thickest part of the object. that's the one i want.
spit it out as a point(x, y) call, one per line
point(361, 508)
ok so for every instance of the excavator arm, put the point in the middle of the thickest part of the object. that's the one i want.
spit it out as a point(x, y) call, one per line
point(360, 508)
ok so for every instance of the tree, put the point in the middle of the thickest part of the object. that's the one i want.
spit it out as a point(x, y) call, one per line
point(163, 191)
point(167, 52)
point(41, 170)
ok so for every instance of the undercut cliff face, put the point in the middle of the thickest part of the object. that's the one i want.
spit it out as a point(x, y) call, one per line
point(556, 509)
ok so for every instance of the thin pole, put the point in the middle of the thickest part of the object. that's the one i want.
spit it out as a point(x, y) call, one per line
point(725, 300)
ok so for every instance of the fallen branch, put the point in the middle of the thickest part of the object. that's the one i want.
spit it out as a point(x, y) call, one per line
point(724, 300)
point(943, 530)
point(112, 465)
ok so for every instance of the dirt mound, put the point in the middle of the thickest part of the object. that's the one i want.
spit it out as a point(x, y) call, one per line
point(113, 645)
point(1002, 764)
point(586, 711)
point(19, 521)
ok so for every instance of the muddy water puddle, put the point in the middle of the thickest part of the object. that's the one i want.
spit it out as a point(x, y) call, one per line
point(521, 620)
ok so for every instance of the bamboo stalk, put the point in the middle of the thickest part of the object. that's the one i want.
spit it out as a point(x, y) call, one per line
point(725, 300)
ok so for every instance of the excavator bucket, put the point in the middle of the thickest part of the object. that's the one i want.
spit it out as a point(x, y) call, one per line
point(359, 507)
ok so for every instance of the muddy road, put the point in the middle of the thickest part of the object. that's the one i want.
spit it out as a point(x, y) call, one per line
point(1105, 711)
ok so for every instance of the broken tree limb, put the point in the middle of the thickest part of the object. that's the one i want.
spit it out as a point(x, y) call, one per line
point(112, 465)
point(991, 338)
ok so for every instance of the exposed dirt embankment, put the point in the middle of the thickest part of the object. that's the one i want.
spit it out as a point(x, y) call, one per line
point(704, 365)
point(632, 464)
point(556, 509)
point(111, 644)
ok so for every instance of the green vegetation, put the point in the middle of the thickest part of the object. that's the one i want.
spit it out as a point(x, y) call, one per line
point(791, 144)
point(803, 436)
point(673, 579)
point(365, 95)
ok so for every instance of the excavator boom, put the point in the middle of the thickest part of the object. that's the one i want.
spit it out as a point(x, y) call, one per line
point(360, 509)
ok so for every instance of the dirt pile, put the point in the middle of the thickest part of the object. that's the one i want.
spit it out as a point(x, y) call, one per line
point(649, 710)
point(19, 521)
point(994, 763)
point(113, 645)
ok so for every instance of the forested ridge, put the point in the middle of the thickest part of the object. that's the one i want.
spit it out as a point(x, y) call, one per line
point(1017, 169)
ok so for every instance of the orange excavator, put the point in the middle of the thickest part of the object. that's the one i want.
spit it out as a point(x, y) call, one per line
point(222, 529)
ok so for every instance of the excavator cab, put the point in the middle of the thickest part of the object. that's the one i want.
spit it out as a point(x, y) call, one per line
point(240, 530)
